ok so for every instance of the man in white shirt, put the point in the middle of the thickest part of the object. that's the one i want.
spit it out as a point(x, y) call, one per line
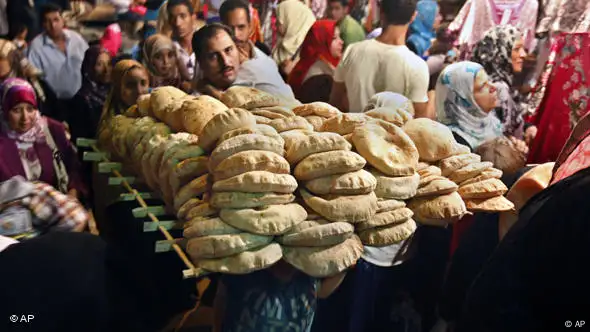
point(257, 69)
point(182, 19)
point(383, 64)
point(58, 52)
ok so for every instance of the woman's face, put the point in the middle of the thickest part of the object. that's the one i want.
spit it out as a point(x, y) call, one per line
point(437, 20)
point(336, 44)
point(135, 84)
point(5, 69)
point(484, 92)
point(102, 68)
point(518, 55)
point(164, 62)
point(21, 117)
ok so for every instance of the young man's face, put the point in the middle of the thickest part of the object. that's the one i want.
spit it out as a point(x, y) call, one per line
point(182, 21)
point(221, 61)
point(237, 20)
point(336, 11)
point(53, 24)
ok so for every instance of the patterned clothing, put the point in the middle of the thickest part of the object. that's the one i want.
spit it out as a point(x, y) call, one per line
point(494, 53)
point(318, 7)
point(562, 95)
point(478, 16)
point(565, 16)
point(456, 106)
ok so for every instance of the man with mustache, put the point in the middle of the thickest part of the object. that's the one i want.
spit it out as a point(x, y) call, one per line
point(224, 63)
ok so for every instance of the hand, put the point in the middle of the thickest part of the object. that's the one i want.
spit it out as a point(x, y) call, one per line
point(206, 88)
point(287, 66)
point(520, 145)
point(530, 134)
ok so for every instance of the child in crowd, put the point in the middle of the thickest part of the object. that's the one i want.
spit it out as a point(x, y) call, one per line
point(279, 298)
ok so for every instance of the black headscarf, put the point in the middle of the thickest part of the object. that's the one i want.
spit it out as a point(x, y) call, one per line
point(93, 92)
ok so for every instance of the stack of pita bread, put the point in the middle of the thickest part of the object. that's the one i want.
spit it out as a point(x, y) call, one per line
point(393, 159)
point(316, 113)
point(436, 201)
point(479, 183)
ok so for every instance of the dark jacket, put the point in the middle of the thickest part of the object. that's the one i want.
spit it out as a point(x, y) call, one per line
point(537, 278)
point(11, 164)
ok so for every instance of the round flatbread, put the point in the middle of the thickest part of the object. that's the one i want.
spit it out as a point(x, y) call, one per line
point(248, 161)
point(307, 145)
point(353, 183)
point(248, 98)
point(384, 205)
point(319, 236)
point(451, 164)
point(258, 182)
point(485, 189)
point(491, 205)
point(201, 227)
point(217, 246)
point(292, 123)
point(437, 187)
point(386, 218)
point(446, 208)
point(344, 123)
point(240, 200)
point(433, 140)
point(492, 173)
point(401, 187)
point(386, 147)
point(322, 262)
point(388, 235)
point(265, 220)
point(245, 262)
point(352, 208)
point(328, 163)
point(241, 143)
point(319, 108)
point(470, 171)
point(222, 123)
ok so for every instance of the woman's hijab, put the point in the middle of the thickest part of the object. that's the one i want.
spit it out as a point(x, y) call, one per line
point(456, 106)
point(296, 19)
point(316, 46)
point(93, 91)
point(494, 53)
point(151, 47)
point(112, 104)
point(422, 28)
point(13, 92)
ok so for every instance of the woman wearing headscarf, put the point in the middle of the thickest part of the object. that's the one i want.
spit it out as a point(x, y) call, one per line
point(33, 146)
point(161, 60)
point(501, 53)
point(294, 20)
point(562, 95)
point(321, 51)
point(465, 98)
point(86, 106)
point(422, 29)
point(477, 17)
point(130, 79)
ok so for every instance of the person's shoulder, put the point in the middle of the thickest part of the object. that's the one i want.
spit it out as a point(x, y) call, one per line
point(37, 43)
point(55, 126)
point(74, 35)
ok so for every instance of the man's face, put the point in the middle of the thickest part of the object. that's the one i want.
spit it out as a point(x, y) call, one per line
point(220, 61)
point(336, 11)
point(53, 24)
point(237, 19)
point(182, 21)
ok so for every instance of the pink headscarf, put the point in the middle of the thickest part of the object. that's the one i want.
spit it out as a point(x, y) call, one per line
point(13, 92)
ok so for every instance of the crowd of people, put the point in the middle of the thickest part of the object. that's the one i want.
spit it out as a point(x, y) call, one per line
point(509, 78)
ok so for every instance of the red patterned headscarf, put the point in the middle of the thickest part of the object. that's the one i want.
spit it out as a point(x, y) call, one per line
point(316, 46)
point(13, 92)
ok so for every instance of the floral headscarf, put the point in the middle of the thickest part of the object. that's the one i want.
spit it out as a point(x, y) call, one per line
point(456, 106)
point(13, 92)
point(494, 52)
point(91, 90)
point(151, 47)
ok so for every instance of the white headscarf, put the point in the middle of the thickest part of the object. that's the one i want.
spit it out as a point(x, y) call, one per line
point(456, 106)
point(296, 19)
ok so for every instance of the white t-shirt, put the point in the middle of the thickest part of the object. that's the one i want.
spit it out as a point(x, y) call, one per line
point(318, 68)
point(370, 67)
point(262, 73)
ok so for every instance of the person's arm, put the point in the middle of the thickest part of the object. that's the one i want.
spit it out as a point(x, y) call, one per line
point(338, 96)
point(423, 105)
point(330, 284)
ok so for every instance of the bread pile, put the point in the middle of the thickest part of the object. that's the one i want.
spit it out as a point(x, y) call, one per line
point(479, 183)
point(316, 113)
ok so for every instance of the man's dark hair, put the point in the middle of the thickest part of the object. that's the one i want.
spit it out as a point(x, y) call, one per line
point(344, 3)
point(173, 3)
point(201, 36)
point(398, 12)
point(230, 5)
point(49, 8)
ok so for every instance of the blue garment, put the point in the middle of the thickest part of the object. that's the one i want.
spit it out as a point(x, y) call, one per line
point(259, 302)
point(61, 70)
point(421, 30)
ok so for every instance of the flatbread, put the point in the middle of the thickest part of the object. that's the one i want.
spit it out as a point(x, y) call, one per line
point(353, 183)
point(247, 161)
point(447, 208)
point(437, 187)
point(451, 164)
point(386, 147)
point(328, 163)
point(308, 145)
point(245, 262)
point(217, 246)
point(248, 98)
point(265, 220)
point(393, 217)
point(258, 182)
point(494, 204)
point(388, 235)
point(402, 187)
point(485, 189)
point(322, 262)
point(240, 200)
point(319, 236)
point(433, 140)
point(344, 123)
point(470, 171)
point(352, 208)
point(222, 123)
point(319, 108)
